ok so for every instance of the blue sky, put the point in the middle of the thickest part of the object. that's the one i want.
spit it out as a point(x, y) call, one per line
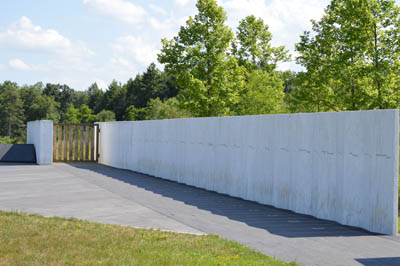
point(78, 42)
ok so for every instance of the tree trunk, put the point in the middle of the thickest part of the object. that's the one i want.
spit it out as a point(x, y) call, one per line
point(9, 127)
point(376, 59)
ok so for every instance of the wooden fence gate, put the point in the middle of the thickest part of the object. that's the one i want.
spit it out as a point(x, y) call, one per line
point(75, 143)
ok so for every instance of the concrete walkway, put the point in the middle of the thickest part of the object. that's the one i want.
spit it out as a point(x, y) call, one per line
point(104, 194)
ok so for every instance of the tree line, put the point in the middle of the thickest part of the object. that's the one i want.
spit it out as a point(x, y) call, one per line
point(350, 59)
point(150, 95)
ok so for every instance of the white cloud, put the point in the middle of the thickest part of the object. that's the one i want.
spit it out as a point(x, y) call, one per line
point(158, 9)
point(52, 53)
point(286, 19)
point(166, 28)
point(25, 35)
point(168, 25)
point(118, 9)
point(182, 2)
point(134, 48)
point(18, 64)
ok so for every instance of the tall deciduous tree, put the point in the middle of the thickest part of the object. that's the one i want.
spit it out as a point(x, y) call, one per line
point(85, 114)
point(253, 46)
point(211, 79)
point(351, 59)
point(263, 94)
point(62, 94)
point(264, 91)
point(71, 115)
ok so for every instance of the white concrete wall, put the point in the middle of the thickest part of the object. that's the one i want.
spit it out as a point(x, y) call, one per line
point(336, 166)
point(40, 133)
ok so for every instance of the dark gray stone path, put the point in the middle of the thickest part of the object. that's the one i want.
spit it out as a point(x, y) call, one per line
point(99, 193)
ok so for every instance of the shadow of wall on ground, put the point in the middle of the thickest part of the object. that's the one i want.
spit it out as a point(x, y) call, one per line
point(276, 221)
point(380, 261)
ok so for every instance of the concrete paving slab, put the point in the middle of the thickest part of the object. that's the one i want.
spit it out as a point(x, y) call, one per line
point(104, 194)
point(51, 191)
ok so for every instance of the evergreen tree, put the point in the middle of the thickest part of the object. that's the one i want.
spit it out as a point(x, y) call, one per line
point(11, 111)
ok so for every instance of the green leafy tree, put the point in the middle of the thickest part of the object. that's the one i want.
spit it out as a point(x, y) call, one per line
point(253, 48)
point(105, 116)
point(71, 115)
point(264, 94)
point(38, 106)
point(11, 111)
point(264, 91)
point(132, 113)
point(62, 94)
point(85, 114)
point(351, 59)
point(310, 94)
point(166, 109)
point(169, 88)
point(210, 78)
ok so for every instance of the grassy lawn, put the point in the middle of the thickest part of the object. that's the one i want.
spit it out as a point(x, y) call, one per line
point(36, 240)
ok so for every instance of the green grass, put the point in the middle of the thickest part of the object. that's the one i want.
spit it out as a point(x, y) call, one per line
point(36, 240)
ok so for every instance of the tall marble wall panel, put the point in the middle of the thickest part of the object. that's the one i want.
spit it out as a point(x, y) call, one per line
point(336, 166)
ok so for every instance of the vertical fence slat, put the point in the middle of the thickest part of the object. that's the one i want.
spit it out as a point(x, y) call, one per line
point(87, 143)
point(76, 143)
point(81, 131)
point(71, 143)
point(59, 127)
point(65, 142)
point(92, 145)
point(55, 142)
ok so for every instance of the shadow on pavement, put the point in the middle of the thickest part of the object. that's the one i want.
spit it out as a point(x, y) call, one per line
point(15, 164)
point(276, 221)
point(380, 261)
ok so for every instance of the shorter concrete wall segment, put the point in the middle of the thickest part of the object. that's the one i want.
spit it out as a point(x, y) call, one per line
point(335, 166)
point(40, 133)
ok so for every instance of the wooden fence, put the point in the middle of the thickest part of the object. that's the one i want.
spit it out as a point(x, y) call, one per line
point(75, 142)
